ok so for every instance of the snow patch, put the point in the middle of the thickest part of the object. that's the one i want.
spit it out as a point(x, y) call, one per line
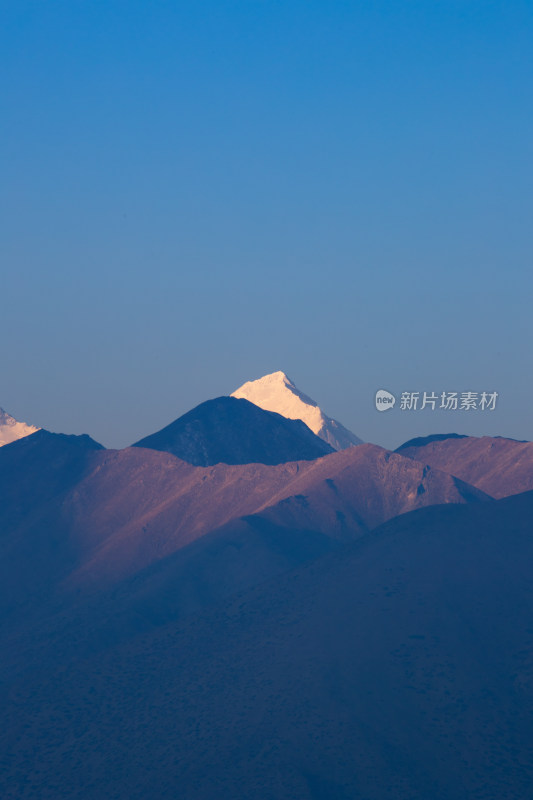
point(276, 392)
point(11, 429)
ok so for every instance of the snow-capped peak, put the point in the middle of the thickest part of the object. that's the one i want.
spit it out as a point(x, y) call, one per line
point(11, 429)
point(276, 392)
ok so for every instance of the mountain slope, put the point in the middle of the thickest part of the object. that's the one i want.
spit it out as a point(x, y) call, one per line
point(399, 667)
point(276, 392)
point(139, 524)
point(37, 543)
point(359, 489)
point(231, 431)
point(11, 429)
point(495, 465)
point(315, 508)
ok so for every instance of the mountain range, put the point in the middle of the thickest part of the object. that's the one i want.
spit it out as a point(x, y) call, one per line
point(234, 607)
point(398, 667)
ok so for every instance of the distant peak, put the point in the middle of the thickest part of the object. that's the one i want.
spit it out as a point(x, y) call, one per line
point(233, 430)
point(272, 388)
point(275, 377)
point(12, 429)
point(422, 441)
point(277, 392)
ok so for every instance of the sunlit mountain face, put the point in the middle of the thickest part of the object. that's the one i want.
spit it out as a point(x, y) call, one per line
point(11, 429)
point(276, 392)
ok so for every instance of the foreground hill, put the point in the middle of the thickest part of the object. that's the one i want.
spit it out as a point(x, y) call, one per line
point(398, 667)
point(234, 431)
point(498, 466)
point(276, 392)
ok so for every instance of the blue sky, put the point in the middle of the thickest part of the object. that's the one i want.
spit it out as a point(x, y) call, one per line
point(196, 194)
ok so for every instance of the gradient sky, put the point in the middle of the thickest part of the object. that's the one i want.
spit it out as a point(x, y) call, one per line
point(196, 194)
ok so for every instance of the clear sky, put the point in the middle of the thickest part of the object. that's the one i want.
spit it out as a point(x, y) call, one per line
point(195, 194)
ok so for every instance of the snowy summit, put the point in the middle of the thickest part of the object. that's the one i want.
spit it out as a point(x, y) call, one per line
point(276, 392)
point(11, 429)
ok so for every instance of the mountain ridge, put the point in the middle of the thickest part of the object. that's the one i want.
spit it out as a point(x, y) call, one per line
point(234, 431)
point(276, 392)
point(497, 465)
